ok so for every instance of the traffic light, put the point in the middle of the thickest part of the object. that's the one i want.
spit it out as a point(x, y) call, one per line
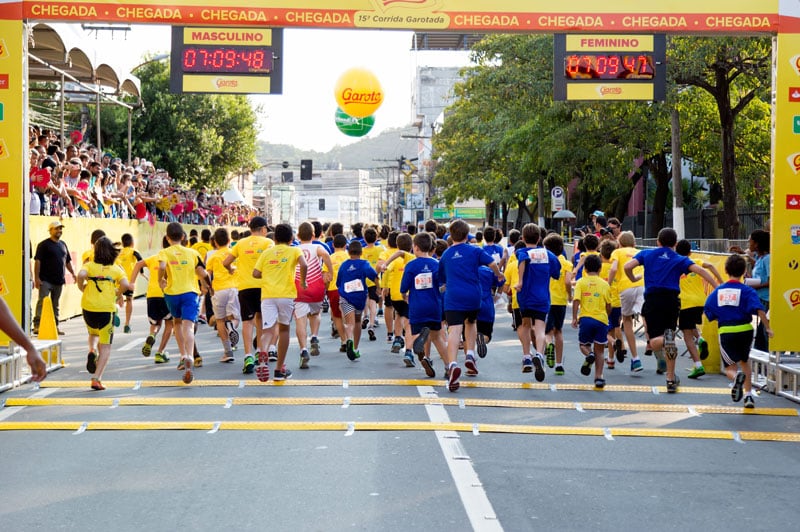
point(305, 169)
point(287, 177)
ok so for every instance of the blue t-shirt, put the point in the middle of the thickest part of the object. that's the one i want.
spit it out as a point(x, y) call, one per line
point(458, 269)
point(421, 282)
point(540, 266)
point(351, 281)
point(761, 271)
point(663, 268)
point(487, 281)
point(732, 303)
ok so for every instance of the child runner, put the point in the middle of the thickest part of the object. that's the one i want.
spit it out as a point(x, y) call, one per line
point(560, 296)
point(733, 305)
point(662, 272)
point(99, 280)
point(157, 310)
point(631, 295)
point(372, 253)
point(128, 257)
point(179, 267)
point(593, 302)
point(536, 267)
point(420, 282)
point(389, 314)
point(693, 297)
point(351, 283)
point(393, 274)
point(337, 258)
point(607, 248)
point(225, 301)
point(308, 304)
point(458, 271)
point(275, 269)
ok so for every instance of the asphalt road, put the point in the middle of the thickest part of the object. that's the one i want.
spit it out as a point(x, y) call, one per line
point(373, 445)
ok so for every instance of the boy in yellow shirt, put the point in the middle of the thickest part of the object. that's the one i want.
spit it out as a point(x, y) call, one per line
point(593, 301)
point(128, 257)
point(560, 297)
point(275, 268)
point(225, 301)
point(393, 275)
point(157, 310)
point(338, 256)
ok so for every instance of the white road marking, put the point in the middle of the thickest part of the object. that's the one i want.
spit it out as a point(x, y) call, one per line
point(130, 345)
point(476, 503)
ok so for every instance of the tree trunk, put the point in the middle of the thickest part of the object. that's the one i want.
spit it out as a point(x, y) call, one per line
point(522, 207)
point(490, 208)
point(661, 175)
point(504, 216)
point(730, 196)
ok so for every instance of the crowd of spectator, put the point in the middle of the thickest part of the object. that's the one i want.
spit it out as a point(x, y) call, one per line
point(74, 179)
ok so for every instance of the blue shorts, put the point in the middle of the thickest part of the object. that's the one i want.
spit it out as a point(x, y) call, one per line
point(615, 317)
point(184, 306)
point(591, 331)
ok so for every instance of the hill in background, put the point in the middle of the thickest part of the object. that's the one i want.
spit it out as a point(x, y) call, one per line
point(367, 153)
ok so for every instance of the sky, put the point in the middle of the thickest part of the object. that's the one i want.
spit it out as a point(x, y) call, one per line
point(303, 116)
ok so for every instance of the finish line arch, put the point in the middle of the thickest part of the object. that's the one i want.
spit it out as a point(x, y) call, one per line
point(721, 17)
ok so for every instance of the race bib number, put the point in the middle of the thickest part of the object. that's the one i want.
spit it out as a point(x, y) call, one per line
point(353, 286)
point(538, 256)
point(423, 281)
point(728, 297)
point(496, 257)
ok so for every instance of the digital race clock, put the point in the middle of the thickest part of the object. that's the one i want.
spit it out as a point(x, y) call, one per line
point(609, 66)
point(226, 59)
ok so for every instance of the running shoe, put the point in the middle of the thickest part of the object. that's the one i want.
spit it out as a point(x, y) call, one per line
point(636, 366)
point(188, 374)
point(148, 345)
point(227, 358)
point(97, 385)
point(233, 335)
point(420, 341)
point(198, 361)
point(262, 368)
point(371, 333)
point(600, 383)
point(325, 305)
point(661, 366)
point(427, 365)
point(364, 323)
point(334, 331)
point(116, 320)
point(314, 346)
point(273, 355)
point(586, 367)
point(550, 354)
point(610, 364)
point(738, 387)
point(380, 312)
point(91, 362)
point(351, 350)
point(161, 358)
point(397, 344)
point(249, 364)
point(672, 386)
point(281, 374)
point(389, 338)
point(126, 329)
point(670, 349)
point(538, 368)
point(343, 348)
point(702, 347)
point(697, 372)
point(181, 365)
point(618, 351)
point(472, 367)
point(749, 402)
point(452, 381)
point(408, 359)
point(304, 358)
point(559, 370)
point(527, 364)
point(481, 345)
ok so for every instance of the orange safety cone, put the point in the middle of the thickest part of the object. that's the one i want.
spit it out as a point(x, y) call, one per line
point(47, 322)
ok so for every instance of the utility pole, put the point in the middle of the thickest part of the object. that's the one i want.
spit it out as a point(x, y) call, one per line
point(677, 177)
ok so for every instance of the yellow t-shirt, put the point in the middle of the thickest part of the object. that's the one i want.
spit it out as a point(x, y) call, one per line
point(221, 279)
point(693, 289)
point(277, 265)
point(153, 288)
point(127, 260)
point(371, 255)
point(593, 293)
point(604, 269)
point(247, 251)
point(387, 252)
point(100, 293)
point(181, 263)
point(87, 256)
point(624, 256)
point(202, 248)
point(558, 288)
point(337, 258)
point(395, 275)
point(512, 277)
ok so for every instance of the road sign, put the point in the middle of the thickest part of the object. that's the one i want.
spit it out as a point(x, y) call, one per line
point(557, 198)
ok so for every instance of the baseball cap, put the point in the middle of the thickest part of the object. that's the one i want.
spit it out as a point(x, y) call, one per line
point(598, 213)
point(257, 222)
point(56, 224)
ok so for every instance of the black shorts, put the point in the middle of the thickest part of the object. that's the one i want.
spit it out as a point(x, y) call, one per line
point(372, 294)
point(432, 325)
point(97, 320)
point(516, 315)
point(735, 347)
point(690, 318)
point(660, 311)
point(533, 314)
point(555, 318)
point(249, 303)
point(387, 302)
point(614, 318)
point(458, 317)
point(157, 310)
point(401, 307)
point(128, 294)
point(486, 328)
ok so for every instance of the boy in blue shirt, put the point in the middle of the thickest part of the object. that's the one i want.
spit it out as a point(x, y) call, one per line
point(420, 284)
point(536, 267)
point(458, 270)
point(352, 285)
point(733, 305)
point(663, 268)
